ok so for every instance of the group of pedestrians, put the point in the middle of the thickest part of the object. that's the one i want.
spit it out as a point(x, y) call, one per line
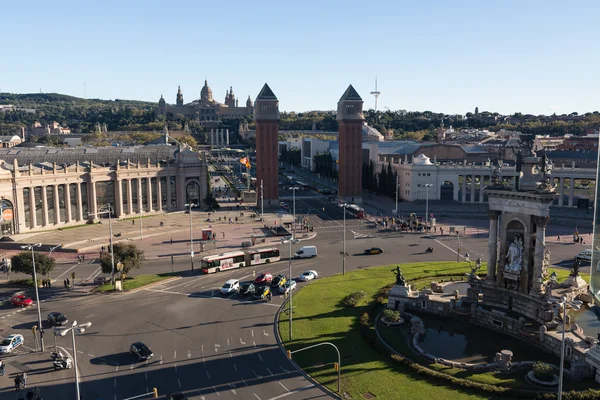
point(47, 283)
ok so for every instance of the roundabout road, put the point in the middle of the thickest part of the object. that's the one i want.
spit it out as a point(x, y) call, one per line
point(206, 345)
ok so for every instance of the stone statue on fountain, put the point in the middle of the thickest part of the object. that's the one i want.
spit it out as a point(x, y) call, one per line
point(514, 256)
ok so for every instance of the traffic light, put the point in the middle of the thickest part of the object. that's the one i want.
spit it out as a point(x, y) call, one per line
point(34, 329)
point(155, 392)
point(289, 354)
point(336, 366)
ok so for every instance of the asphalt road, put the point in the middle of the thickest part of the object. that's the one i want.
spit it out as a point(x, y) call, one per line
point(206, 345)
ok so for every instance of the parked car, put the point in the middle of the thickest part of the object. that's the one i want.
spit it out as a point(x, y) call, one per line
point(231, 286)
point(247, 288)
point(141, 351)
point(262, 292)
point(374, 250)
point(287, 286)
point(308, 275)
point(11, 342)
point(21, 300)
point(278, 280)
point(56, 318)
point(263, 278)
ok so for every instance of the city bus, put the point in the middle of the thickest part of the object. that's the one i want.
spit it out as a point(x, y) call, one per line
point(355, 211)
point(239, 259)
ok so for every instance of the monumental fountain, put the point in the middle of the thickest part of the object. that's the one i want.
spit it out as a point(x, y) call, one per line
point(518, 297)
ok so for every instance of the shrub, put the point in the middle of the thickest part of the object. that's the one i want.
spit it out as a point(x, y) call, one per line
point(364, 319)
point(353, 299)
point(391, 315)
point(543, 371)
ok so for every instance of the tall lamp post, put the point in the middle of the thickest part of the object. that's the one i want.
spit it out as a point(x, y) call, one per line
point(293, 189)
point(290, 241)
point(108, 210)
point(562, 304)
point(344, 206)
point(37, 295)
point(427, 186)
point(62, 331)
point(397, 186)
point(141, 223)
point(50, 255)
point(190, 205)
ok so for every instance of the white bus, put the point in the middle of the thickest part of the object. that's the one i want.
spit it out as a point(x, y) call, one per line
point(239, 259)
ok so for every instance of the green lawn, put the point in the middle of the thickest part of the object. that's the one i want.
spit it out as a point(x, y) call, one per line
point(319, 317)
point(134, 282)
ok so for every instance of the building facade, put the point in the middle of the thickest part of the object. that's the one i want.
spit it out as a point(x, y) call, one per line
point(206, 108)
point(44, 189)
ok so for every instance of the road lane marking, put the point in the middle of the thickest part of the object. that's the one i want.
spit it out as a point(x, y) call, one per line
point(175, 354)
point(207, 374)
point(260, 357)
point(146, 375)
point(283, 386)
point(147, 390)
point(131, 367)
point(216, 391)
point(254, 343)
point(255, 395)
point(265, 333)
point(232, 387)
point(234, 367)
point(175, 367)
point(269, 371)
point(179, 382)
point(115, 384)
point(117, 369)
point(217, 347)
point(284, 370)
point(241, 341)
point(161, 360)
point(202, 348)
point(189, 354)
point(252, 332)
point(90, 355)
point(292, 392)
point(227, 341)
point(257, 375)
point(244, 381)
point(230, 355)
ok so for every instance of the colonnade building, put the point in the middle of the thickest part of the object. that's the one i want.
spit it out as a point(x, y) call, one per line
point(49, 188)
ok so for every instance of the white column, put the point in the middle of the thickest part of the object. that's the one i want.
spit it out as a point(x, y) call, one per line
point(169, 194)
point(79, 203)
point(92, 201)
point(118, 198)
point(129, 198)
point(139, 195)
point(472, 188)
point(212, 137)
point(481, 187)
point(68, 212)
point(56, 206)
point(44, 207)
point(492, 246)
point(561, 190)
point(538, 255)
point(158, 194)
point(149, 186)
point(221, 137)
point(227, 133)
point(32, 207)
point(571, 191)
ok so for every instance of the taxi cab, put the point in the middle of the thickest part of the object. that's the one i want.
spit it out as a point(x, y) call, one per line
point(11, 342)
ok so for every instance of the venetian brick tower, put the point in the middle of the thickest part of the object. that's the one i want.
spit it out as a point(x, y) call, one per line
point(266, 116)
point(350, 121)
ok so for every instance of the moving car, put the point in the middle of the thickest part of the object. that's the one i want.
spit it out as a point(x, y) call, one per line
point(231, 286)
point(374, 250)
point(11, 342)
point(263, 278)
point(306, 252)
point(287, 286)
point(56, 318)
point(21, 300)
point(308, 275)
point(141, 351)
point(284, 205)
point(262, 292)
point(278, 280)
point(585, 255)
point(247, 288)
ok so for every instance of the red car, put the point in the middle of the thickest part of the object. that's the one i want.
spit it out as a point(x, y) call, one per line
point(21, 300)
point(264, 278)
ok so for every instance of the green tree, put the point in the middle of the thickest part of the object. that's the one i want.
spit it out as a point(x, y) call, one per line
point(126, 253)
point(22, 263)
point(189, 140)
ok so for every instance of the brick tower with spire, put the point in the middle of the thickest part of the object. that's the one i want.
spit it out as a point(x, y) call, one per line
point(266, 116)
point(350, 121)
point(179, 101)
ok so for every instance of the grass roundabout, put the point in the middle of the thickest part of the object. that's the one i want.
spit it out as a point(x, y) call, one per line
point(366, 372)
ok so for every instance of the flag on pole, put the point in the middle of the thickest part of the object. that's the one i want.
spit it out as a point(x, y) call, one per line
point(245, 161)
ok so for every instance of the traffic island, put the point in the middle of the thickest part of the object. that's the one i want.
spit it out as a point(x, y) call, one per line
point(138, 282)
point(367, 365)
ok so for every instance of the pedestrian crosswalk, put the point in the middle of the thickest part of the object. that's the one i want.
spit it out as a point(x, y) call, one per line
point(302, 197)
point(358, 235)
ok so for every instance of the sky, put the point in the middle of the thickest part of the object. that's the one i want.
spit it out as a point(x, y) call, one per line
point(537, 57)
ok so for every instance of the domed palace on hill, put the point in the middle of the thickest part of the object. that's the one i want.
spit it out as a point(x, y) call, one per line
point(205, 108)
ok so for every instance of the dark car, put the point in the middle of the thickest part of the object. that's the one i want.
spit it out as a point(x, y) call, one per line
point(374, 250)
point(176, 396)
point(247, 288)
point(56, 318)
point(278, 280)
point(262, 292)
point(141, 351)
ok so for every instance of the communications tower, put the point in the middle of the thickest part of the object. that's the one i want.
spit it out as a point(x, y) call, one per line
point(376, 93)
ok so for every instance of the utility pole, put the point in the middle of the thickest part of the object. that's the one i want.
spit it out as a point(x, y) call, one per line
point(262, 200)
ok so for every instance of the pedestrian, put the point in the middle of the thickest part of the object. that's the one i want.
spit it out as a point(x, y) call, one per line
point(68, 283)
point(65, 283)
point(17, 383)
point(24, 379)
point(171, 240)
point(223, 235)
point(49, 283)
point(558, 238)
point(133, 222)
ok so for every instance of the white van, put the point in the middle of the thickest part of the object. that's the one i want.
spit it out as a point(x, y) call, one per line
point(306, 252)
point(585, 255)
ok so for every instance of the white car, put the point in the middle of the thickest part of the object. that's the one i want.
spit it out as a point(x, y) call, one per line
point(308, 275)
point(286, 287)
point(11, 342)
point(231, 286)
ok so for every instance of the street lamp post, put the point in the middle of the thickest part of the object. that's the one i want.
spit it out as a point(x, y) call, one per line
point(50, 255)
point(290, 241)
point(108, 210)
point(62, 332)
point(397, 185)
point(37, 295)
point(575, 304)
point(427, 186)
point(262, 200)
point(190, 205)
point(293, 189)
point(344, 241)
